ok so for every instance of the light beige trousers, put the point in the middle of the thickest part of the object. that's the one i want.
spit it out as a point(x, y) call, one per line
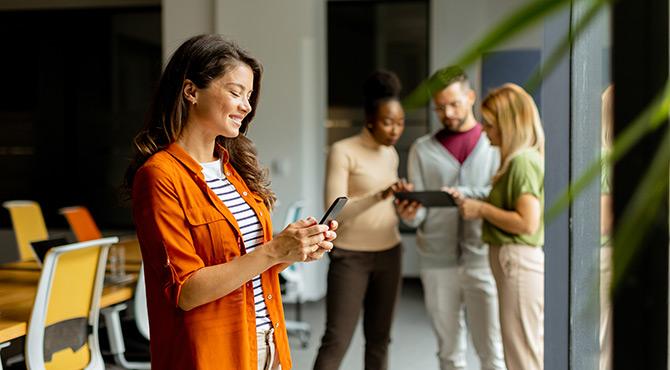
point(519, 274)
point(267, 352)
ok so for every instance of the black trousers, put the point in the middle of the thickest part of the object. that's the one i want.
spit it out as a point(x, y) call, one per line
point(368, 280)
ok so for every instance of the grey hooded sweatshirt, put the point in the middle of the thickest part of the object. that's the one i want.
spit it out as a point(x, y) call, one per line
point(444, 239)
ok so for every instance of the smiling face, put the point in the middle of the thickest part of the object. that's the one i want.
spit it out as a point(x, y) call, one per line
point(219, 108)
point(389, 123)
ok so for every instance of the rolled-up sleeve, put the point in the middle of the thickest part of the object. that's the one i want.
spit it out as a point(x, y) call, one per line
point(167, 247)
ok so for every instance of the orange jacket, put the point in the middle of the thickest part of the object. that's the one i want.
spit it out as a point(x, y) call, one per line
point(183, 226)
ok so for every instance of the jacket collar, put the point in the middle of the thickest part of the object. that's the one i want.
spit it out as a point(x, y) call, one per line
point(191, 164)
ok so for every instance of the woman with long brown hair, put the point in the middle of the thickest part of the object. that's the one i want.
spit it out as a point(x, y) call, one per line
point(201, 204)
point(513, 222)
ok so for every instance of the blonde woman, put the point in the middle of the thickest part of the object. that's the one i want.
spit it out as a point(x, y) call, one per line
point(513, 222)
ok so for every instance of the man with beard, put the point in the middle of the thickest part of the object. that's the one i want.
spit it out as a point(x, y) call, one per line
point(458, 285)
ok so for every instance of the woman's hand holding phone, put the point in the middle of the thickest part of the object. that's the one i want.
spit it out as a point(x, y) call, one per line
point(303, 240)
point(306, 240)
point(327, 244)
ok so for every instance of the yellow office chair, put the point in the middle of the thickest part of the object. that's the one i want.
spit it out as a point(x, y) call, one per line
point(28, 224)
point(84, 228)
point(63, 326)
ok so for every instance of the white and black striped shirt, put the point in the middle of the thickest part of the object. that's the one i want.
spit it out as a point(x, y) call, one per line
point(250, 227)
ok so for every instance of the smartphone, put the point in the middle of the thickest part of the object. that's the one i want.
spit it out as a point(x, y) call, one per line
point(333, 210)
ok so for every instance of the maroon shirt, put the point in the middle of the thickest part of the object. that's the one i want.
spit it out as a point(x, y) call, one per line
point(459, 144)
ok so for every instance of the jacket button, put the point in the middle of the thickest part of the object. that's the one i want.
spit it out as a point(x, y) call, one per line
point(276, 325)
point(227, 173)
point(269, 296)
point(261, 213)
point(244, 193)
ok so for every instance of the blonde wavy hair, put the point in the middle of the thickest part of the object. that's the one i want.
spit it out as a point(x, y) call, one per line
point(513, 111)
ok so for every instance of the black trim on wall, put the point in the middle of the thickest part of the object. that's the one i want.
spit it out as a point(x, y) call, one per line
point(640, 65)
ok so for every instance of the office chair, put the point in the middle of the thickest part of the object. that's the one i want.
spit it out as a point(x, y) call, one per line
point(28, 224)
point(81, 222)
point(84, 227)
point(63, 326)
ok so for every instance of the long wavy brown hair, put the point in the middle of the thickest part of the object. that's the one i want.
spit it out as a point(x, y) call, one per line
point(201, 59)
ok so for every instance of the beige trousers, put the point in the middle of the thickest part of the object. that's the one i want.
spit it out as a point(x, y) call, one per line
point(267, 352)
point(519, 274)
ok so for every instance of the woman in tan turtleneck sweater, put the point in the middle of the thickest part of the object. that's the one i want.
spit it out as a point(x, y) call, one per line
point(365, 264)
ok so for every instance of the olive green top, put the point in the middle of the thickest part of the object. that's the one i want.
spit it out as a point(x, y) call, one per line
point(525, 175)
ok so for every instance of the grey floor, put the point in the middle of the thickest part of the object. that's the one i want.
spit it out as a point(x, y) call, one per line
point(413, 344)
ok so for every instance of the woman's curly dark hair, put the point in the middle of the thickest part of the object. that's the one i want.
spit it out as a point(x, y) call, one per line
point(381, 86)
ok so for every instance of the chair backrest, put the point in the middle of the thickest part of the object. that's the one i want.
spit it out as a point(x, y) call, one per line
point(63, 326)
point(28, 224)
point(140, 309)
point(81, 222)
point(294, 212)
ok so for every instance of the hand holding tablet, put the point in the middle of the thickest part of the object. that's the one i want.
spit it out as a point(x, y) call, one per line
point(431, 198)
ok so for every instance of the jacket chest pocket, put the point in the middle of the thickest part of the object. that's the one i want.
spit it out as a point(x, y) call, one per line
point(214, 238)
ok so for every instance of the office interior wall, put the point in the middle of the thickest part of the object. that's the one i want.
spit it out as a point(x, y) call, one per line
point(456, 25)
point(183, 19)
point(289, 128)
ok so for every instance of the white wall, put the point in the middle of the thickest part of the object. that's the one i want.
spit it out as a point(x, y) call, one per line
point(288, 37)
point(183, 19)
point(456, 25)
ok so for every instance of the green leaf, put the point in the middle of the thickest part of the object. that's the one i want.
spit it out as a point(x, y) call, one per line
point(639, 215)
point(650, 119)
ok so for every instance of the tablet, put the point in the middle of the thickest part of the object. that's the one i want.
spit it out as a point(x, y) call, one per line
point(432, 198)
